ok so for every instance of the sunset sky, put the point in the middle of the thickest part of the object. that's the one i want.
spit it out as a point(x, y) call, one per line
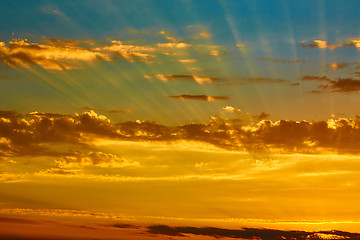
point(180, 119)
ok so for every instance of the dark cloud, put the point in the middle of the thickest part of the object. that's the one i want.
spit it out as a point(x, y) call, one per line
point(200, 97)
point(342, 85)
point(119, 111)
point(124, 225)
point(315, 78)
point(60, 42)
point(345, 85)
point(250, 233)
point(10, 114)
point(280, 60)
point(309, 45)
point(262, 116)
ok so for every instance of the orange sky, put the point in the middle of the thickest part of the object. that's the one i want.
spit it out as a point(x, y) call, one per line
point(170, 120)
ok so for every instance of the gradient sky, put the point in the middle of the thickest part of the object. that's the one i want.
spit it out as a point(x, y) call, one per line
point(173, 119)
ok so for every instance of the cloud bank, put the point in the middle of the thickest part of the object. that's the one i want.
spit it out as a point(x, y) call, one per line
point(33, 134)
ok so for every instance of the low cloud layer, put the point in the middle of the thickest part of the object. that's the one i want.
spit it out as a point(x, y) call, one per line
point(33, 134)
point(249, 233)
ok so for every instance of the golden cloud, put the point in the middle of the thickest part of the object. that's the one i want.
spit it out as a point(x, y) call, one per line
point(98, 159)
point(35, 135)
point(325, 45)
point(20, 53)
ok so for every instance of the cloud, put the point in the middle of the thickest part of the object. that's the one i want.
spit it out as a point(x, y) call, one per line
point(20, 53)
point(130, 52)
point(335, 66)
point(249, 233)
point(230, 109)
point(60, 42)
point(280, 60)
point(99, 159)
point(240, 45)
point(59, 171)
point(227, 81)
point(217, 52)
point(52, 11)
point(10, 114)
point(316, 78)
point(17, 220)
point(182, 77)
point(200, 97)
point(342, 85)
point(253, 80)
point(111, 111)
point(185, 61)
point(324, 44)
point(58, 54)
point(174, 45)
point(37, 134)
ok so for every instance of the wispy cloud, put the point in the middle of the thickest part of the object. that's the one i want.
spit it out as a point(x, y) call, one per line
point(225, 81)
point(323, 44)
point(280, 60)
point(182, 77)
point(200, 97)
point(111, 111)
point(341, 85)
point(20, 53)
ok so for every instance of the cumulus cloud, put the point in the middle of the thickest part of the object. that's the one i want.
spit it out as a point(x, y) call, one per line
point(130, 52)
point(111, 111)
point(98, 159)
point(199, 97)
point(244, 115)
point(34, 135)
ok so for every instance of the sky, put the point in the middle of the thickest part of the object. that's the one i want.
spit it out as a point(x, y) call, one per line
point(183, 119)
